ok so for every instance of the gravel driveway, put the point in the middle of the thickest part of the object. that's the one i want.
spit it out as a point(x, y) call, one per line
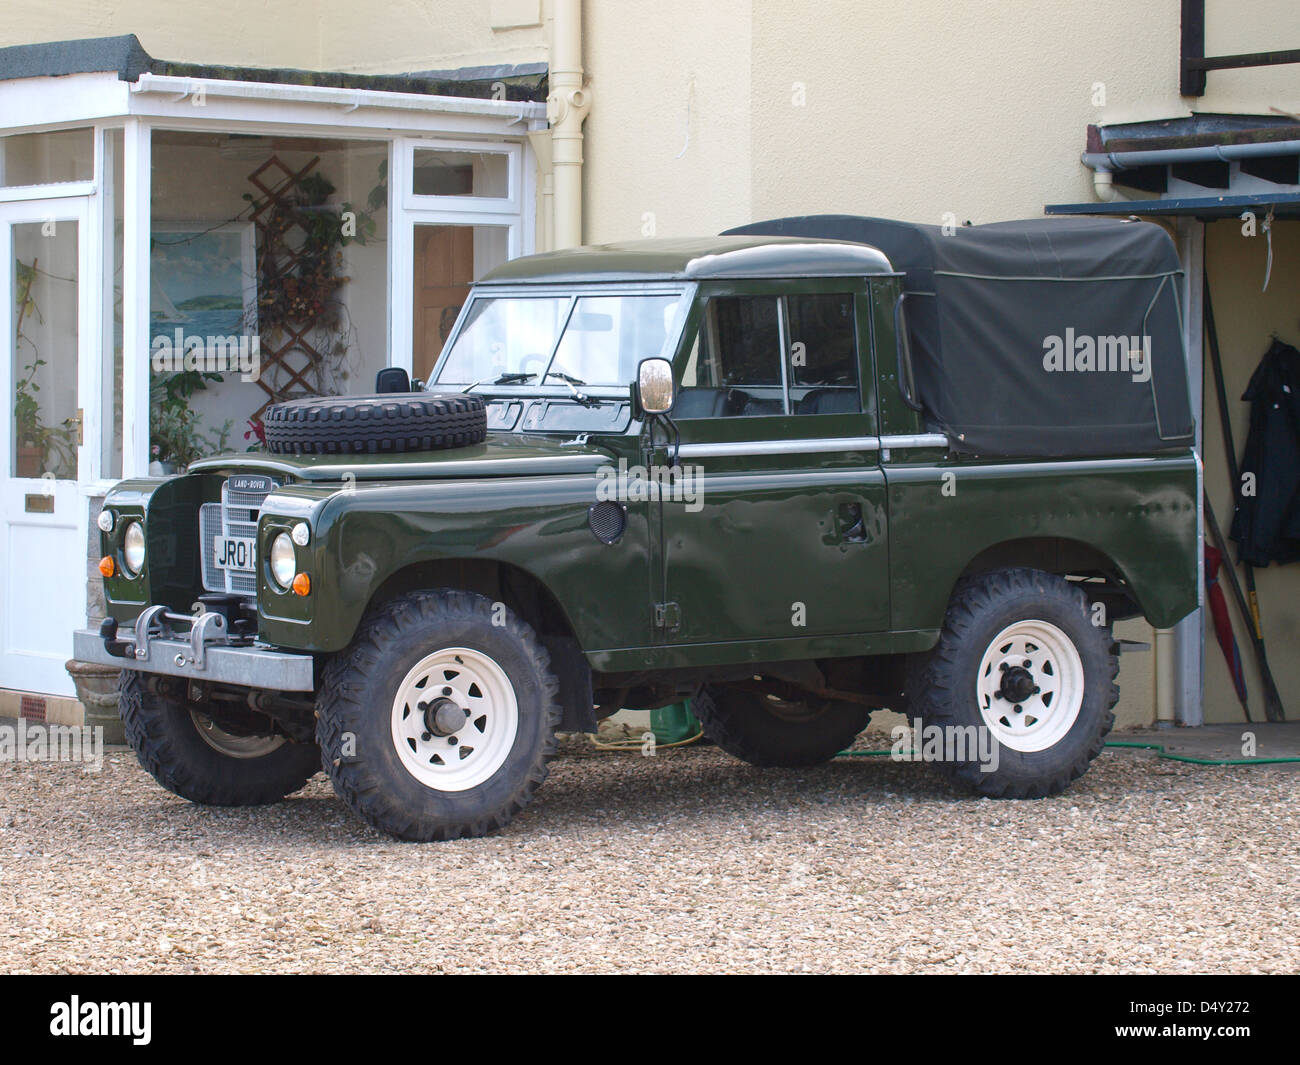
point(688, 861)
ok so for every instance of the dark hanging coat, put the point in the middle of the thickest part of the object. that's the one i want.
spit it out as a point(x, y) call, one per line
point(1266, 525)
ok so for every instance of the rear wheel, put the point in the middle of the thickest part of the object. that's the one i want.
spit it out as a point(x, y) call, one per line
point(768, 731)
point(439, 721)
point(1019, 658)
point(196, 752)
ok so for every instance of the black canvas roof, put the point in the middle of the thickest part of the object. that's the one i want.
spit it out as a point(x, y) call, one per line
point(988, 307)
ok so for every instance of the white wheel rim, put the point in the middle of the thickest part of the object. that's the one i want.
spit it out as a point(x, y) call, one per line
point(229, 744)
point(1039, 720)
point(471, 754)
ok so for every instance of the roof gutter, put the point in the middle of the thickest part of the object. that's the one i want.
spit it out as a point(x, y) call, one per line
point(348, 99)
point(1109, 162)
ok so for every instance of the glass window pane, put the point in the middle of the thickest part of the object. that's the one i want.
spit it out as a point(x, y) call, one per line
point(607, 336)
point(112, 326)
point(504, 336)
point(737, 367)
point(444, 173)
point(268, 281)
point(46, 158)
point(447, 260)
point(44, 349)
point(823, 356)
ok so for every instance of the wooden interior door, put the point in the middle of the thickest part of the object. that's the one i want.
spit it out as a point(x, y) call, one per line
point(444, 268)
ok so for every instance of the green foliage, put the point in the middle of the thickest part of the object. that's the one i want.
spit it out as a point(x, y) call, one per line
point(57, 444)
point(174, 431)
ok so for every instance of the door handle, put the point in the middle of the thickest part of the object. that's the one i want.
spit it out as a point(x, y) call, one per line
point(853, 529)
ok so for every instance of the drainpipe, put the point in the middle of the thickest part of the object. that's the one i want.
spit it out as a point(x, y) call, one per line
point(540, 139)
point(1104, 164)
point(1166, 678)
point(1103, 184)
point(566, 109)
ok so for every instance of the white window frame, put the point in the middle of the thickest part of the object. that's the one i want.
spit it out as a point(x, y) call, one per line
point(508, 204)
point(405, 121)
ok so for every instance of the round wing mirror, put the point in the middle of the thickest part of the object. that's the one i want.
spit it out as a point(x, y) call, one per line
point(654, 384)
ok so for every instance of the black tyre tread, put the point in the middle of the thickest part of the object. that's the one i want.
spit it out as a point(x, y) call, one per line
point(381, 424)
point(340, 711)
point(158, 731)
point(930, 683)
point(730, 719)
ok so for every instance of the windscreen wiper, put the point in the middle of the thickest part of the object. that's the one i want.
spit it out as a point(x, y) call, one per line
point(504, 379)
point(579, 397)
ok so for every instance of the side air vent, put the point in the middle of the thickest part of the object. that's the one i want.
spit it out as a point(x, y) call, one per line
point(607, 520)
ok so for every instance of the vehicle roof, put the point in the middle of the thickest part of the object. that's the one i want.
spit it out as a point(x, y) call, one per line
point(694, 259)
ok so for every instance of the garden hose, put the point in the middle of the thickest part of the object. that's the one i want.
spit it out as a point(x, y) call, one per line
point(1157, 747)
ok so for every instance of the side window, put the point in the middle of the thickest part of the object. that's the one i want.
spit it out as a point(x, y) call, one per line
point(734, 368)
point(823, 355)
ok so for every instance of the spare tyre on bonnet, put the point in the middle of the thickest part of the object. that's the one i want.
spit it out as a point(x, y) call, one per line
point(360, 425)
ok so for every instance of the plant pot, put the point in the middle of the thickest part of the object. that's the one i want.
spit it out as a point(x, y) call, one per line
point(97, 689)
point(28, 462)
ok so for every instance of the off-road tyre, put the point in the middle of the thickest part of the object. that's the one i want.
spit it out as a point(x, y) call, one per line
point(382, 424)
point(165, 735)
point(943, 685)
point(359, 716)
point(771, 733)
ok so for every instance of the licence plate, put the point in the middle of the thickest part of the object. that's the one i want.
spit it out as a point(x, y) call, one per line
point(234, 552)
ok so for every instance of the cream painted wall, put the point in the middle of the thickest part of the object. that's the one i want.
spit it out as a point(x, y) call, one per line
point(980, 108)
point(901, 110)
point(670, 133)
point(394, 37)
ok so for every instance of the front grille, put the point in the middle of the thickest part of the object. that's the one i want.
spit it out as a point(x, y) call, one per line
point(234, 517)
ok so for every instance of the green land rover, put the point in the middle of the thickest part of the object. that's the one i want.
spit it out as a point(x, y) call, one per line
point(795, 473)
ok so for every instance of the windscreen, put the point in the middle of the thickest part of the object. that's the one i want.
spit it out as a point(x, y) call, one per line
point(586, 339)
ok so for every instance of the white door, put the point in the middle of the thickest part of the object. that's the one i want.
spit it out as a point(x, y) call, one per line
point(45, 377)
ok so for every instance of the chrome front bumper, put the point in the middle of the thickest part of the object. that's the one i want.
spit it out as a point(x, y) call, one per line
point(203, 653)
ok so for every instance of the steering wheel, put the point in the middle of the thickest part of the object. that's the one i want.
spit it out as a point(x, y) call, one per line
point(524, 362)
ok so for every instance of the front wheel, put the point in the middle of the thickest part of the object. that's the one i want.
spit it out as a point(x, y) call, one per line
point(196, 751)
point(1015, 699)
point(439, 721)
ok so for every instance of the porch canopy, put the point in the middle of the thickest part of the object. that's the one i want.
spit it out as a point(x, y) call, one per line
point(1203, 166)
point(431, 176)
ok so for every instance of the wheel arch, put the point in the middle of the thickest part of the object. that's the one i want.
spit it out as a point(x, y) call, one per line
point(526, 596)
point(1109, 583)
point(500, 581)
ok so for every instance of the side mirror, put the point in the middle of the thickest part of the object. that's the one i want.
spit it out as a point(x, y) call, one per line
point(654, 385)
point(392, 379)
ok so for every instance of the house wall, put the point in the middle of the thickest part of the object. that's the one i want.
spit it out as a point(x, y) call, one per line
point(396, 37)
point(906, 111)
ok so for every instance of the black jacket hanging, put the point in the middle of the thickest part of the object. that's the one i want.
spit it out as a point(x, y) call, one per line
point(1266, 525)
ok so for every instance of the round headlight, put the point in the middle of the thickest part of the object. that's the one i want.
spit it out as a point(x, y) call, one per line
point(133, 547)
point(284, 562)
point(105, 520)
point(301, 534)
